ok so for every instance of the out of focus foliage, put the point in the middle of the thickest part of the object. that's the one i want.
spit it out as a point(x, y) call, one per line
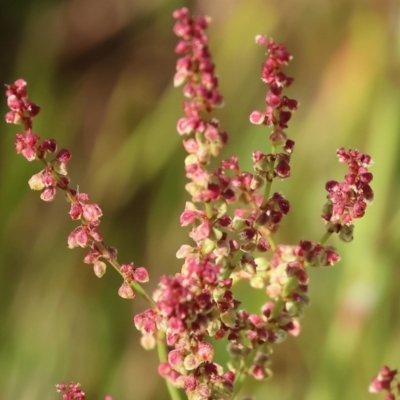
point(102, 72)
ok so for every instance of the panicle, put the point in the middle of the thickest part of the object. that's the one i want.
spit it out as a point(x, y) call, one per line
point(71, 391)
point(54, 177)
point(348, 200)
point(386, 381)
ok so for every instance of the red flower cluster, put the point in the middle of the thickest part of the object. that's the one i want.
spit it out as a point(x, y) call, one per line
point(199, 303)
point(231, 222)
point(278, 111)
point(196, 71)
point(279, 108)
point(53, 177)
point(71, 391)
point(22, 110)
point(348, 200)
point(386, 381)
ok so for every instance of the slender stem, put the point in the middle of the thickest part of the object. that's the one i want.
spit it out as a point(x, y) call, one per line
point(134, 285)
point(271, 242)
point(243, 374)
point(277, 308)
point(267, 190)
point(325, 237)
point(268, 185)
point(163, 357)
point(209, 211)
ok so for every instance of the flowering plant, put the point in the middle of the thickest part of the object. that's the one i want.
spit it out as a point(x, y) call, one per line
point(233, 217)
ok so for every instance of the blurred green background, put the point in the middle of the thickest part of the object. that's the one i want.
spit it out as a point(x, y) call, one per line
point(102, 72)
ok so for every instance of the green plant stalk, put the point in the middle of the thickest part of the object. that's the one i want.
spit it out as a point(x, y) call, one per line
point(162, 356)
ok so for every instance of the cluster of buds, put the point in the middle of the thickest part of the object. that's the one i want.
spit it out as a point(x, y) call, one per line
point(54, 177)
point(198, 304)
point(195, 70)
point(279, 108)
point(348, 200)
point(278, 111)
point(386, 382)
point(232, 217)
point(72, 391)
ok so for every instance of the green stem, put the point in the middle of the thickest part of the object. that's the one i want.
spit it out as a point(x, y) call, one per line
point(163, 357)
point(243, 374)
point(267, 190)
point(209, 210)
point(277, 308)
point(161, 345)
point(134, 285)
point(271, 242)
point(137, 287)
point(324, 238)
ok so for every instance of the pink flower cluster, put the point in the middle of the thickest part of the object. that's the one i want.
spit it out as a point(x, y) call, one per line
point(195, 70)
point(22, 110)
point(278, 112)
point(71, 391)
point(386, 382)
point(232, 217)
point(278, 108)
point(198, 303)
point(53, 177)
point(348, 200)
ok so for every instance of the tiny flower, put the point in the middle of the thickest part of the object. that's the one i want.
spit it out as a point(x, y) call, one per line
point(36, 182)
point(257, 117)
point(205, 351)
point(278, 137)
point(60, 168)
point(78, 237)
point(188, 216)
point(126, 292)
point(32, 108)
point(99, 268)
point(191, 362)
point(127, 271)
point(201, 232)
point(148, 342)
point(141, 275)
point(91, 212)
point(164, 369)
point(48, 194)
point(261, 40)
point(184, 250)
point(13, 117)
point(282, 169)
point(75, 211)
point(63, 156)
point(175, 358)
point(13, 103)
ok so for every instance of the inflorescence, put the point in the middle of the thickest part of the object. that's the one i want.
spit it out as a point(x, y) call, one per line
point(232, 216)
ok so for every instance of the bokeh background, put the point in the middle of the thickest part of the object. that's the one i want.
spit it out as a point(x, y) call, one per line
point(102, 71)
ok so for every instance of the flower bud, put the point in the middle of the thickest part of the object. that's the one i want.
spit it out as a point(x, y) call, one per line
point(36, 182)
point(141, 275)
point(99, 268)
point(126, 292)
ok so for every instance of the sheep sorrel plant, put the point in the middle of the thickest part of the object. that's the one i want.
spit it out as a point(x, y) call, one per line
point(233, 216)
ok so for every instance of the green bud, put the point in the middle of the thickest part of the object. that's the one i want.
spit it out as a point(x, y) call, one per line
point(229, 318)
